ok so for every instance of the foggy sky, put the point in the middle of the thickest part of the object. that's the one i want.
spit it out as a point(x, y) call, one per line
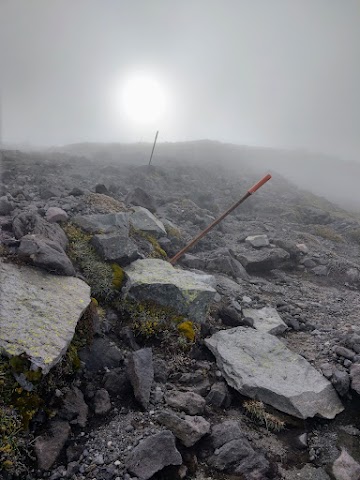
point(279, 73)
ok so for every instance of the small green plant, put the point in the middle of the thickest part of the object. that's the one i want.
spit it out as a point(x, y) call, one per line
point(157, 251)
point(256, 410)
point(328, 233)
point(10, 428)
point(104, 279)
point(160, 326)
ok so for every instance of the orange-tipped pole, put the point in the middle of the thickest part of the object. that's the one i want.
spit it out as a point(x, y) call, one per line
point(219, 219)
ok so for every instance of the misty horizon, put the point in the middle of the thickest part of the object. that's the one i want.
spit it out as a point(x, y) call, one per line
point(284, 75)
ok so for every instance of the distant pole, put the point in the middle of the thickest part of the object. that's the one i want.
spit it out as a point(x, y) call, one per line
point(152, 151)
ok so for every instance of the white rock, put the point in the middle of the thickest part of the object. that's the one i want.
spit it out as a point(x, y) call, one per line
point(260, 366)
point(39, 313)
point(266, 320)
point(258, 241)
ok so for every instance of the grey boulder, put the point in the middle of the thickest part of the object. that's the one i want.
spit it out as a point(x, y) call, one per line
point(141, 374)
point(188, 429)
point(152, 455)
point(46, 254)
point(189, 402)
point(48, 447)
point(258, 241)
point(263, 260)
point(260, 366)
point(186, 292)
point(143, 220)
point(6, 206)
point(56, 214)
point(116, 247)
point(345, 467)
point(32, 223)
point(39, 313)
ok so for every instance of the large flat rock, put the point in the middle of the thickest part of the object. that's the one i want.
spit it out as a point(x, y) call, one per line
point(39, 313)
point(186, 292)
point(260, 366)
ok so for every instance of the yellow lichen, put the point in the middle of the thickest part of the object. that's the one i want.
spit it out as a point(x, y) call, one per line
point(187, 330)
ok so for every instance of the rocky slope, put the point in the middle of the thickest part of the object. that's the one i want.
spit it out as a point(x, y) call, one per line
point(237, 363)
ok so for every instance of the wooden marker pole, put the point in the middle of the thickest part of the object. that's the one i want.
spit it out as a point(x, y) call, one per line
point(152, 151)
point(218, 220)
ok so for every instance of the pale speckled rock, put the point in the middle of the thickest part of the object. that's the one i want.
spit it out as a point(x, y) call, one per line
point(345, 467)
point(260, 366)
point(39, 313)
point(258, 241)
point(56, 214)
point(266, 320)
point(187, 292)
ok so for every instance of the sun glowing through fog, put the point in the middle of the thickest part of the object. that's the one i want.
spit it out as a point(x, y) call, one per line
point(143, 99)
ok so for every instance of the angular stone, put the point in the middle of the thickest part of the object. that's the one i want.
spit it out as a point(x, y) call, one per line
point(260, 366)
point(233, 452)
point(218, 394)
point(189, 402)
point(31, 223)
point(141, 374)
point(39, 313)
point(75, 409)
point(44, 253)
point(140, 198)
point(102, 403)
point(225, 432)
point(344, 352)
point(258, 241)
point(266, 320)
point(104, 223)
point(355, 377)
point(186, 428)
point(341, 382)
point(153, 454)
point(101, 354)
point(143, 220)
point(186, 292)
point(56, 214)
point(263, 260)
point(6, 206)
point(49, 191)
point(116, 248)
point(345, 467)
point(48, 447)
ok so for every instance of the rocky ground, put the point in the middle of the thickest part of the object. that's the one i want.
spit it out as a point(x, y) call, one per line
point(220, 368)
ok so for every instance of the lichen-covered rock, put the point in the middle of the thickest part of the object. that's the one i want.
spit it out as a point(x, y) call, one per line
point(260, 366)
point(39, 313)
point(186, 292)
